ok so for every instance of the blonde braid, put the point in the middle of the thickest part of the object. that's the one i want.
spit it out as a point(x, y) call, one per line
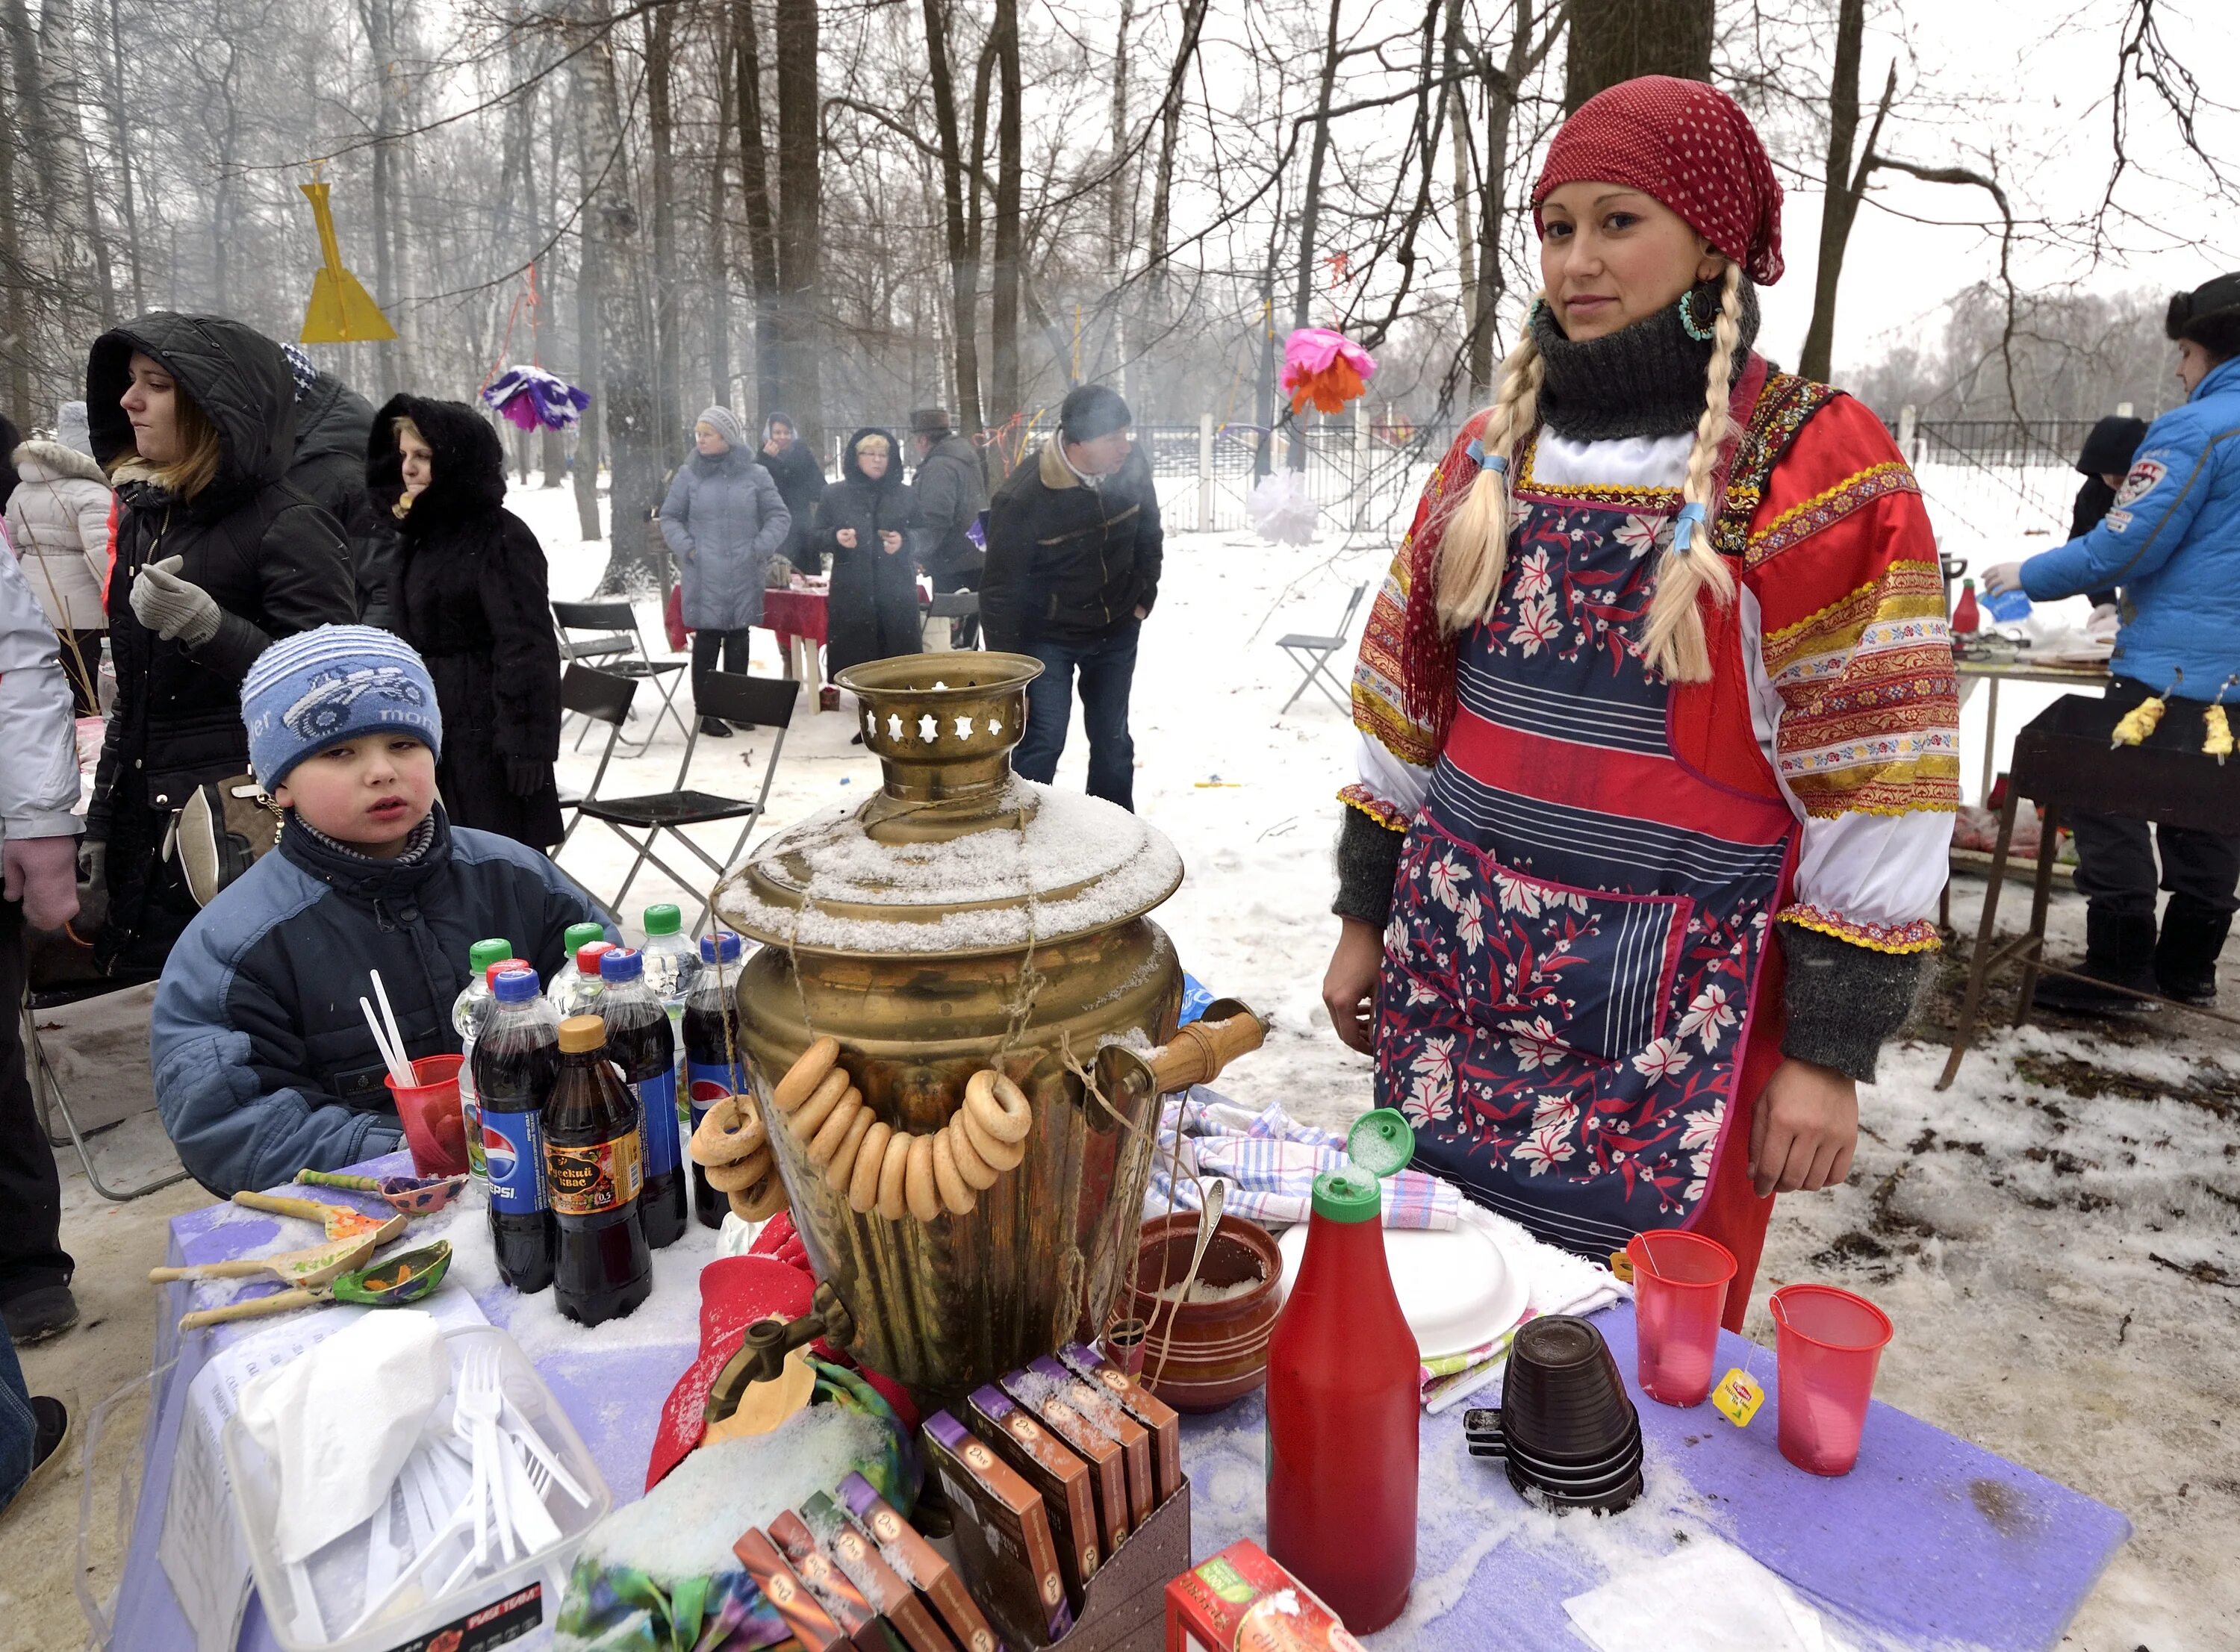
point(1474, 550)
point(1672, 642)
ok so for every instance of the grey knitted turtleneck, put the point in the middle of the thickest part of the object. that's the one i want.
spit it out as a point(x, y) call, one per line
point(1646, 379)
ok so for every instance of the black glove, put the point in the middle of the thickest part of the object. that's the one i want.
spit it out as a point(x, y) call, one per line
point(526, 777)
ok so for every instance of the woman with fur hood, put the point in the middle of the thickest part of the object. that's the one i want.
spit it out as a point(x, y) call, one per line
point(59, 523)
point(471, 595)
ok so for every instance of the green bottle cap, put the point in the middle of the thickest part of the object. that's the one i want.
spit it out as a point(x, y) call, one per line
point(1380, 1142)
point(663, 920)
point(483, 953)
point(580, 935)
point(1347, 1196)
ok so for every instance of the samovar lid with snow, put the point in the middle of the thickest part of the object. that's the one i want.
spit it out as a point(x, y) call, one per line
point(963, 922)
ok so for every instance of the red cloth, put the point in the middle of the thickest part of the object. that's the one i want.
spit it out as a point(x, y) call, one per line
point(791, 614)
point(672, 620)
point(1692, 147)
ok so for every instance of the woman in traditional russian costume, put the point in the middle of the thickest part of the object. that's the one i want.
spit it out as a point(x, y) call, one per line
point(1657, 753)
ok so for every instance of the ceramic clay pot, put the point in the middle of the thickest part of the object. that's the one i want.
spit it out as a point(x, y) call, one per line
point(1200, 1356)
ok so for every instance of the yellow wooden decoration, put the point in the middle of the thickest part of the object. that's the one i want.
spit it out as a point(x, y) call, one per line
point(341, 311)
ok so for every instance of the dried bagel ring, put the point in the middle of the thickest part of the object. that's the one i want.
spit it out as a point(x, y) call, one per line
point(864, 1175)
point(837, 1124)
point(918, 1185)
point(999, 1156)
point(802, 1078)
point(894, 1168)
point(978, 1173)
point(809, 1116)
point(998, 1105)
point(738, 1176)
point(732, 1130)
point(841, 1171)
point(956, 1192)
point(764, 1199)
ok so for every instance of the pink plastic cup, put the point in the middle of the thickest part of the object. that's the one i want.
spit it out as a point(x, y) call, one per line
point(435, 1129)
point(1679, 1290)
point(1829, 1343)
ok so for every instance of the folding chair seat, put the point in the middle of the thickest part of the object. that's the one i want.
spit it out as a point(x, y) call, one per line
point(642, 821)
point(953, 606)
point(603, 625)
point(1313, 652)
point(52, 1098)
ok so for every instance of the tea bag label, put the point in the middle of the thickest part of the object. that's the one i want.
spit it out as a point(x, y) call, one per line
point(1738, 1397)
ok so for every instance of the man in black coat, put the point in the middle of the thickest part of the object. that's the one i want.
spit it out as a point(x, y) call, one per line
point(950, 493)
point(1074, 548)
point(332, 425)
point(800, 483)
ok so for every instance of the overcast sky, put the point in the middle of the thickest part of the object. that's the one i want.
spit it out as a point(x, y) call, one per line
point(2027, 82)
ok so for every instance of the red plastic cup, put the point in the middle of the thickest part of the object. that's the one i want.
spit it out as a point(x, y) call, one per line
point(1829, 1343)
point(1679, 1291)
point(435, 1129)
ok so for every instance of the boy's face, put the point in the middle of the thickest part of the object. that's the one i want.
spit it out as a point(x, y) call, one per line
point(369, 792)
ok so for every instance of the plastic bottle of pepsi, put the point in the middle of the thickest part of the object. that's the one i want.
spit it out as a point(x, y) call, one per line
point(640, 1042)
point(710, 1042)
point(594, 1165)
point(516, 1062)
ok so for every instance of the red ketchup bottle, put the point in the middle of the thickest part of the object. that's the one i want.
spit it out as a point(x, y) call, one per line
point(1343, 1408)
point(1967, 618)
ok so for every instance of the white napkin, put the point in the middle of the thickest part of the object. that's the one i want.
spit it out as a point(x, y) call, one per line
point(338, 1422)
point(1705, 1596)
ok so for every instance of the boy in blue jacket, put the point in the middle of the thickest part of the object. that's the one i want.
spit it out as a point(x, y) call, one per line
point(264, 1062)
point(2172, 541)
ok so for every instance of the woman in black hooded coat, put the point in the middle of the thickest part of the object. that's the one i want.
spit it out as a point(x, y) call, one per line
point(471, 595)
point(862, 531)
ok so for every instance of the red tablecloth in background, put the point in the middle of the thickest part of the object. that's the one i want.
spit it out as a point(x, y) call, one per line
point(791, 614)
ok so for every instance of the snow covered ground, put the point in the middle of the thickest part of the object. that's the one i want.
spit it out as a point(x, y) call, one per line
point(2055, 1236)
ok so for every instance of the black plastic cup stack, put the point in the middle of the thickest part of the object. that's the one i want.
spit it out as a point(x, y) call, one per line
point(1566, 1430)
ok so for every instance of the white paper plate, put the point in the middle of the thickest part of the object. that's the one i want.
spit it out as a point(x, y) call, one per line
point(1456, 1291)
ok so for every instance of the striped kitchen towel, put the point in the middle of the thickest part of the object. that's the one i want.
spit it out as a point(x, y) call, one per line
point(1269, 1161)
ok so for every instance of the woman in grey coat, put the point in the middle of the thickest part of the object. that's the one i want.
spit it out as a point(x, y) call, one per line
point(724, 520)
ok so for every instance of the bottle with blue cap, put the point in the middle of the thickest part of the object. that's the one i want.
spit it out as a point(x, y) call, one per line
point(640, 1042)
point(1342, 1397)
point(516, 1062)
point(711, 1054)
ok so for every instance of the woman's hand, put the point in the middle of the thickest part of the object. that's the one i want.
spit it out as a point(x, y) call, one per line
point(1349, 984)
point(2002, 578)
point(890, 541)
point(845, 537)
point(1805, 1130)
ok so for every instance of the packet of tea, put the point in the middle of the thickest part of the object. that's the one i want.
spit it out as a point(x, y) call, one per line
point(1241, 1599)
point(1113, 1421)
point(1053, 1407)
point(1052, 1469)
point(889, 1593)
point(1164, 1423)
point(783, 1588)
point(1002, 1533)
point(839, 1596)
point(920, 1564)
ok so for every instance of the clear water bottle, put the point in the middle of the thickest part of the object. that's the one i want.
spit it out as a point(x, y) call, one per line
point(579, 993)
point(671, 959)
point(578, 936)
point(481, 958)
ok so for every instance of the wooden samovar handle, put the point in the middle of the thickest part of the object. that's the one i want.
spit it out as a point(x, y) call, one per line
point(1197, 1053)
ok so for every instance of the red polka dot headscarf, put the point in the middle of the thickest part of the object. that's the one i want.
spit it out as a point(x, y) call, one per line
point(1692, 147)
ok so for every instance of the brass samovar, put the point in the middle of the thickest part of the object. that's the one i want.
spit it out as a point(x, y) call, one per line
point(963, 918)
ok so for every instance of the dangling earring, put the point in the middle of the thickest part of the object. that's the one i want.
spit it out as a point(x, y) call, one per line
point(1700, 332)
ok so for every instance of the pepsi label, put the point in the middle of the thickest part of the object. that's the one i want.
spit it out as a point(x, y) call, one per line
point(709, 1082)
point(656, 1100)
point(513, 1147)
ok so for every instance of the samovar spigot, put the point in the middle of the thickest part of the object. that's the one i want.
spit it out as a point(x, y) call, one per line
point(761, 1355)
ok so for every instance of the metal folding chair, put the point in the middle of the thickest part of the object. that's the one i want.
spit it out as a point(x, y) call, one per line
point(642, 821)
point(605, 625)
point(1313, 652)
point(953, 606)
point(596, 696)
point(47, 1090)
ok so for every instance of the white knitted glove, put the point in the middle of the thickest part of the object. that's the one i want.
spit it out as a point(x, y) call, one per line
point(173, 608)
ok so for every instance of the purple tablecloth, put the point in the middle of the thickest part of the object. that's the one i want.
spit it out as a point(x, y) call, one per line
point(1930, 1540)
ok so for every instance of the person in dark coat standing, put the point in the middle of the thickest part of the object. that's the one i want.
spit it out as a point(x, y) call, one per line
point(1074, 552)
point(334, 428)
point(216, 556)
point(800, 481)
point(724, 520)
point(2105, 462)
point(861, 526)
point(951, 493)
point(472, 597)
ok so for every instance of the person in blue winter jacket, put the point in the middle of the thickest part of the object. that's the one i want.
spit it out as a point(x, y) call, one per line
point(264, 1062)
point(2171, 541)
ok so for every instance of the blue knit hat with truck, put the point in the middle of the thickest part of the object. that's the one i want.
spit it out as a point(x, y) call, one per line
point(337, 683)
